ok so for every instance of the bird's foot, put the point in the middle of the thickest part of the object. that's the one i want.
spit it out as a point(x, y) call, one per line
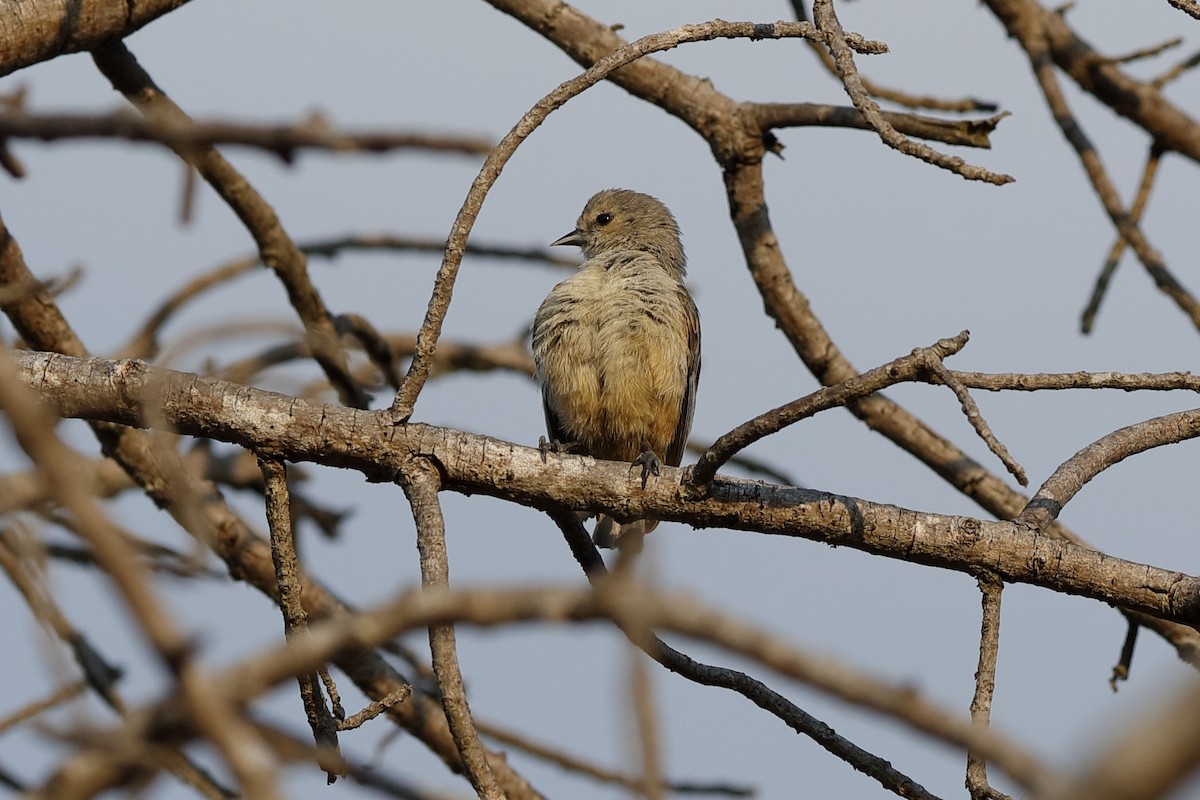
point(650, 465)
point(550, 446)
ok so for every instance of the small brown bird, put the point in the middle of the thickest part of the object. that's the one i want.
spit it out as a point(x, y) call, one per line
point(617, 345)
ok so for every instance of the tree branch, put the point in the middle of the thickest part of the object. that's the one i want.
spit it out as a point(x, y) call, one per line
point(131, 393)
point(420, 482)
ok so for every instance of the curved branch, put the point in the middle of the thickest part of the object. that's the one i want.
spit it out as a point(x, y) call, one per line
point(443, 286)
point(1098, 456)
point(907, 368)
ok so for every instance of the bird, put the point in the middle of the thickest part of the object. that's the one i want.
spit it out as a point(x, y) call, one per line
point(616, 346)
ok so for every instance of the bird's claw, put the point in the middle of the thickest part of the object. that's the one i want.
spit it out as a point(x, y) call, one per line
point(650, 465)
point(550, 446)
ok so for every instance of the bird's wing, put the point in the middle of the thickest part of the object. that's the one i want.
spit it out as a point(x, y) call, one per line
point(554, 426)
point(684, 426)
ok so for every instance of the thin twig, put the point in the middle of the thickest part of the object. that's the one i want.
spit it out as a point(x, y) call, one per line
point(31, 710)
point(295, 618)
point(421, 482)
point(915, 366)
point(1147, 52)
point(144, 343)
point(1191, 62)
point(572, 763)
point(962, 132)
point(314, 133)
point(757, 692)
point(971, 409)
point(374, 709)
point(376, 346)
point(843, 58)
point(901, 98)
point(1038, 49)
point(1118, 247)
point(1057, 381)
point(1125, 663)
point(985, 685)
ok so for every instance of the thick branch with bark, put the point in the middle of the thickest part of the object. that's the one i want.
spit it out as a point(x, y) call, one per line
point(133, 393)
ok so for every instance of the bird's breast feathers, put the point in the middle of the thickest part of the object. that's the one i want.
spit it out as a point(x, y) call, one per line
point(616, 342)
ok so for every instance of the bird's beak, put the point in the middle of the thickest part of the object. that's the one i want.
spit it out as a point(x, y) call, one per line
point(575, 237)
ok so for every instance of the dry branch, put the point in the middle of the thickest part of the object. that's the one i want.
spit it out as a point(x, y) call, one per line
point(314, 133)
point(131, 393)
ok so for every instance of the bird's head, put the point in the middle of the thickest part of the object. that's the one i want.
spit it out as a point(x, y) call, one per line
point(620, 219)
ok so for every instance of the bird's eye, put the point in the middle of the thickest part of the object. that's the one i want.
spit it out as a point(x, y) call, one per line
point(603, 219)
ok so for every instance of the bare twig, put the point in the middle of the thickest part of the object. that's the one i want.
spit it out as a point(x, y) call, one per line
point(1075, 472)
point(144, 343)
point(971, 409)
point(965, 133)
point(985, 685)
point(31, 710)
point(376, 346)
point(1147, 52)
point(572, 763)
point(1114, 254)
point(1043, 381)
point(757, 692)
point(901, 98)
point(314, 133)
point(1191, 62)
point(374, 709)
point(421, 482)
point(1125, 663)
point(915, 366)
point(295, 618)
point(843, 58)
point(1037, 45)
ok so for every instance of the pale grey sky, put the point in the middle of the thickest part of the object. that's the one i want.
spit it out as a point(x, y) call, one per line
point(892, 253)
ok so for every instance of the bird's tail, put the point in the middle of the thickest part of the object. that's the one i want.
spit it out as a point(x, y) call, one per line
point(609, 533)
